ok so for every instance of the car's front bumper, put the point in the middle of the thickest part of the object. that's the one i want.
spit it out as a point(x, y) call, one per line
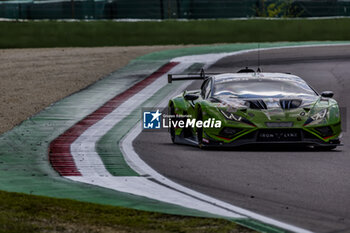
point(297, 136)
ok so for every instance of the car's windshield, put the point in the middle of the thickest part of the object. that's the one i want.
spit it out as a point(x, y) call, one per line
point(262, 88)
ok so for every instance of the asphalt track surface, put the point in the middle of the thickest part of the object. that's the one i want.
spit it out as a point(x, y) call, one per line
point(300, 186)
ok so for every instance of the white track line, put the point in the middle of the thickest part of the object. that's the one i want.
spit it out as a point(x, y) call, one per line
point(83, 150)
point(94, 172)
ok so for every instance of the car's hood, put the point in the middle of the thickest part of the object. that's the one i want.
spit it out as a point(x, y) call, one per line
point(266, 103)
point(270, 109)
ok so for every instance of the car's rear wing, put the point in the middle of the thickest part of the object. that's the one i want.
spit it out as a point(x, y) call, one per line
point(202, 75)
point(177, 77)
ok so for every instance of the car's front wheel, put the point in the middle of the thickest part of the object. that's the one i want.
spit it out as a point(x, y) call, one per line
point(172, 129)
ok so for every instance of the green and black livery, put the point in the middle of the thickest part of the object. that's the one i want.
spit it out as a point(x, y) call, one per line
point(256, 108)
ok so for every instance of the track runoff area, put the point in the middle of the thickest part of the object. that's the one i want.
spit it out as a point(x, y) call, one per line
point(84, 153)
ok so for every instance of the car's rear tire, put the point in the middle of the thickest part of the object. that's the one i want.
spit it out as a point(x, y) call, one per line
point(172, 129)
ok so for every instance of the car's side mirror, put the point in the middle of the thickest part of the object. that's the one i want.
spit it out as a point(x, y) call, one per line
point(191, 97)
point(327, 94)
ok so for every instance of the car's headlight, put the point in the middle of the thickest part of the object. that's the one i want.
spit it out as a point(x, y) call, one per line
point(320, 115)
point(231, 116)
point(317, 117)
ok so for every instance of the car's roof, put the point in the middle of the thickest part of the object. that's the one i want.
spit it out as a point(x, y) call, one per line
point(258, 76)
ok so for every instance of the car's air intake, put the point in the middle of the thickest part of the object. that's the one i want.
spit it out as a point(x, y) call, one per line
point(257, 104)
point(290, 103)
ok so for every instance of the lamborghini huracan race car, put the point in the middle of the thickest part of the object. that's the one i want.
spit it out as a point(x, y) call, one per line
point(251, 107)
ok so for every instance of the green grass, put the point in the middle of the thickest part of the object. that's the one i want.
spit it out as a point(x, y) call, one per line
point(109, 33)
point(28, 213)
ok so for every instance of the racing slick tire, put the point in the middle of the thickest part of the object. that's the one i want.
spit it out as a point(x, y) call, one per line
point(172, 129)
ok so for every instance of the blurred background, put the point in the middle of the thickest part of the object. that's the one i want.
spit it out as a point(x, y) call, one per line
point(170, 9)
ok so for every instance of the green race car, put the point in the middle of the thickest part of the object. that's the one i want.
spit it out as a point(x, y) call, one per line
point(248, 107)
